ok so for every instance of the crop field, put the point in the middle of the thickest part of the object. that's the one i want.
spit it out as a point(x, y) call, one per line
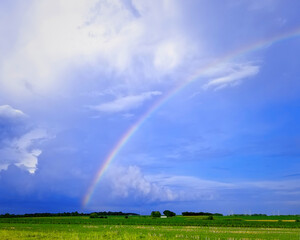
point(223, 221)
point(147, 228)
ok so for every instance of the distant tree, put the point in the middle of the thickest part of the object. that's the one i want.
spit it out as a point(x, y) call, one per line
point(155, 214)
point(210, 217)
point(75, 213)
point(93, 215)
point(168, 213)
point(196, 214)
point(218, 214)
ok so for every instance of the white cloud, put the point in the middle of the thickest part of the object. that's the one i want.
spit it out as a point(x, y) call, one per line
point(286, 185)
point(7, 111)
point(13, 123)
point(233, 74)
point(191, 188)
point(21, 152)
point(18, 140)
point(131, 181)
point(59, 37)
point(127, 103)
point(167, 55)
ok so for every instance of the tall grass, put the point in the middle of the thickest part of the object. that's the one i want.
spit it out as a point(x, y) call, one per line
point(76, 231)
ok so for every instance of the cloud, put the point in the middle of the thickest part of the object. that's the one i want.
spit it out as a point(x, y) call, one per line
point(198, 184)
point(290, 185)
point(21, 151)
point(136, 41)
point(13, 123)
point(130, 182)
point(264, 5)
point(18, 139)
point(234, 74)
point(7, 111)
point(127, 103)
point(167, 55)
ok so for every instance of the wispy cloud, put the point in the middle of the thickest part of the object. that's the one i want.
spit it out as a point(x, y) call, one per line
point(125, 104)
point(234, 75)
point(264, 5)
point(6, 111)
point(285, 185)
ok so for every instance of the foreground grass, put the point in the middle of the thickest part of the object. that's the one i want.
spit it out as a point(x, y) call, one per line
point(12, 231)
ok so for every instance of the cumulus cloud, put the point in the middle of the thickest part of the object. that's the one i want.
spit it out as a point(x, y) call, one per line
point(140, 39)
point(127, 103)
point(18, 140)
point(233, 74)
point(21, 151)
point(131, 181)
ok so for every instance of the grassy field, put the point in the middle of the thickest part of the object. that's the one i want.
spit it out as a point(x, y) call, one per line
point(145, 228)
point(222, 221)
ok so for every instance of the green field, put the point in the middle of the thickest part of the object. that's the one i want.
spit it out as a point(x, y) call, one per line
point(139, 227)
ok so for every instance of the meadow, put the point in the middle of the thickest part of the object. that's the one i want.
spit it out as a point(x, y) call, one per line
point(145, 227)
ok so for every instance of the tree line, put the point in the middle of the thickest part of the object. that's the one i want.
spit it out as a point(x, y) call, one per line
point(64, 214)
point(200, 214)
point(103, 214)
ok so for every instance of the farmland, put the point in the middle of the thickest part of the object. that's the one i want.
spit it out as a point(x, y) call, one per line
point(145, 227)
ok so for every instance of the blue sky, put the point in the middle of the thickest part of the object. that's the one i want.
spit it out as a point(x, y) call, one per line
point(76, 75)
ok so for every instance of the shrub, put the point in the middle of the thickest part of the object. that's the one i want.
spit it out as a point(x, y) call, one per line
point(93, 215)
point(168, 213)
point(155, 214)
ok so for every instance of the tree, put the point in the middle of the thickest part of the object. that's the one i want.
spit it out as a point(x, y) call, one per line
point(155, 214)
point(93, 215)
point(168, 213)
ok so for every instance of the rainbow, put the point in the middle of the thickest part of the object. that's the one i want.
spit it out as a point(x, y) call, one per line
point(130, 132)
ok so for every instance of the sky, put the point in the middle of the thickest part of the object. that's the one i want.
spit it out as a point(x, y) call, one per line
point(142, 105)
